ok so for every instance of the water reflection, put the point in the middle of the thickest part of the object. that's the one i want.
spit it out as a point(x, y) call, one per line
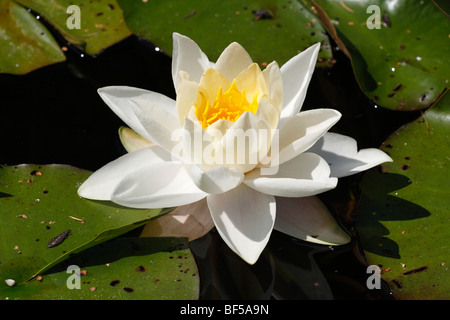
point(288, 269)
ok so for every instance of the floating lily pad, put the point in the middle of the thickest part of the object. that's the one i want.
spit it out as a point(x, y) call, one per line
point(101, 21)
point(41, 202)
point(25, 44)
point(269, 30)
point(124, 268)
point(402, 62)
point(403, 217)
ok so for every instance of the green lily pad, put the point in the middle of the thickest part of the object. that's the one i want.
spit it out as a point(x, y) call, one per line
point(38, 203)
point(124, 268)
point(403, 216)
point(101, 21)
point(25, 44)
point(403, 65)
point(268, 30)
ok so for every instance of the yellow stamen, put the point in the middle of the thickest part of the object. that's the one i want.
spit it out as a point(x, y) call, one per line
point(229, 106)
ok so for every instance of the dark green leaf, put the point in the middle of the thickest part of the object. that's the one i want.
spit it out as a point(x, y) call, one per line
point(41, 202)
point(25, 44)
point(403, 65)
point(403, 215)
point(124, 268)
point(268, 30)
point(102, 22)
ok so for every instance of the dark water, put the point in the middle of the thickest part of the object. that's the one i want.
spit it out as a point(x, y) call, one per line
point(54, 115)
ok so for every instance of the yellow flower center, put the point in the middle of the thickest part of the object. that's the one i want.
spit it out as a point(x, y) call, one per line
point(228, 106)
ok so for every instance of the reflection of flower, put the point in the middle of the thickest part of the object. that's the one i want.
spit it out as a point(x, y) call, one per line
point(214, 101)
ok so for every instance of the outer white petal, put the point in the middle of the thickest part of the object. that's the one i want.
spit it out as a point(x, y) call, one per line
point(244, 219)
point(120, 100)
point(301, 131)
point(187, 56)
point(216, 180)
point(160, 185)
point(341, 153)
point(304, 175)
point(159, 124)
point(297, 73)
point(309, 219)
point(191, 221)
point(233, 60)
point(101, 184)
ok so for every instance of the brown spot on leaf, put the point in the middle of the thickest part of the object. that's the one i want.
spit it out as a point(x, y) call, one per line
point(416, 270)
point(114, 283)
point(140, 269)
point(423, 97)
point(262, 14)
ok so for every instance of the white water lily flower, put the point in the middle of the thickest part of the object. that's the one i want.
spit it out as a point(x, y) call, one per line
point(185, 153)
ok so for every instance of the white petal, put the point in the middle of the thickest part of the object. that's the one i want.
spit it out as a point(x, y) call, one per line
point(187, 56)
point(120, 100)
point(232, 61)
point(304, 175)
point(252, 80)
point(269, 114)
point(133, 141)
point(242, 143)
point(154, 111)
point(191, 142)
point(309, 219)
point(159, 124)
point(244, 219)
point(160, 185)
point(297, 73)
point(301, 131)
point(101, 184)
point(341, 153)
point(186, 96)
point(191, 221)
point(274, 82)
point(216, 180)
point(210, 83)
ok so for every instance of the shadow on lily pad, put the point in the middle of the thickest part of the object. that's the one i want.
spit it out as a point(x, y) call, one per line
point(379, 204)
point(120, 248)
